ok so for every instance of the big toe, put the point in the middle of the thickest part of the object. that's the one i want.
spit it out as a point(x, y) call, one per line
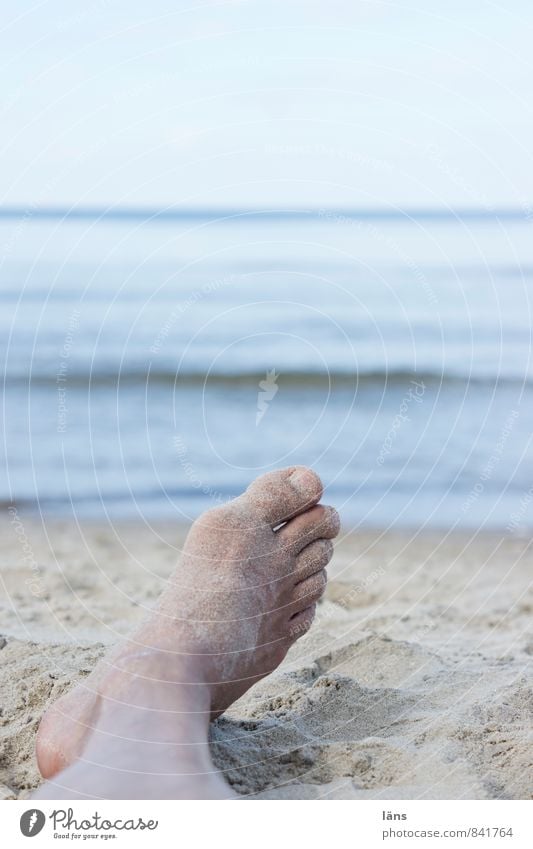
point(280, 495)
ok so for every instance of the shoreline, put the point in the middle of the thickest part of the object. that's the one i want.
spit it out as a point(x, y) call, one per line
point(412, 683)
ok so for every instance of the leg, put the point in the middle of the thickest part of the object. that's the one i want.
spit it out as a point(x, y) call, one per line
point(149, 738)
point(245, 589)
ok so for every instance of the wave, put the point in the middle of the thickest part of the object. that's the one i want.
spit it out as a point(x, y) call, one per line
point(294, 378)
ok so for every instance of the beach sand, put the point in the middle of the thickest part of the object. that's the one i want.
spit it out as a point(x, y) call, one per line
point(413, 683)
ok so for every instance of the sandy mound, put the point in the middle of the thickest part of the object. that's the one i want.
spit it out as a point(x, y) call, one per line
point(414, 683)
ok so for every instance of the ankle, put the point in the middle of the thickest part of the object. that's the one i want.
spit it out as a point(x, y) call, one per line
point(156, 679)
point(149, 722)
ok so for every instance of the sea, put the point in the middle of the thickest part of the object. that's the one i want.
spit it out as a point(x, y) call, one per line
point(156, 361)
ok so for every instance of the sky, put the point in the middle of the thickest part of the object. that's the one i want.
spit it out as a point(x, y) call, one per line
point(267, 104)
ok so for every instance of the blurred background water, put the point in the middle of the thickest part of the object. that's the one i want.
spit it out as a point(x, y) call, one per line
point(393, 353)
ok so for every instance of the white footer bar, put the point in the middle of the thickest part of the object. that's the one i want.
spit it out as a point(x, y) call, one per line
point(257, 824)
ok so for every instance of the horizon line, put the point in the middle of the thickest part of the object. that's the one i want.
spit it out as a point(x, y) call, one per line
point(221, 214)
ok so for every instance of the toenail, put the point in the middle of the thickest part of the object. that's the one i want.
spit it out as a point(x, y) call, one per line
point(304, 481)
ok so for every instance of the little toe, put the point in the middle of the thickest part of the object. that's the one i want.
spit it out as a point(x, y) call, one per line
point(278, 496)
point(300, 623)
point(312, 559)
point(308, 592)
point(318, 522)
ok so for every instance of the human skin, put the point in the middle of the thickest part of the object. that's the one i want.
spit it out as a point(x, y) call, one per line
point(244, 590)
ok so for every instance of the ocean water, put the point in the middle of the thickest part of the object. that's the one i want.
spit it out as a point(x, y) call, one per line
point(154, 365)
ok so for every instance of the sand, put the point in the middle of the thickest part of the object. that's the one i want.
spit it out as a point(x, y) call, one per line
point(415, 681)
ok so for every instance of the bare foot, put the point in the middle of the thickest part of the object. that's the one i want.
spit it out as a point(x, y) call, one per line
point(244, 591)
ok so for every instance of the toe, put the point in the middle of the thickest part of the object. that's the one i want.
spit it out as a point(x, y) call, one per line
point(300, 623)
point(319, 522)
point(278, 496)
point(313, 559)
point(308, 592)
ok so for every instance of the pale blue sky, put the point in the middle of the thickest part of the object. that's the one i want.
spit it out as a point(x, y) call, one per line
point(267, 103)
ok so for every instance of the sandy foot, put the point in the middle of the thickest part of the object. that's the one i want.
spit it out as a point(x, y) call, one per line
point(245, 589)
